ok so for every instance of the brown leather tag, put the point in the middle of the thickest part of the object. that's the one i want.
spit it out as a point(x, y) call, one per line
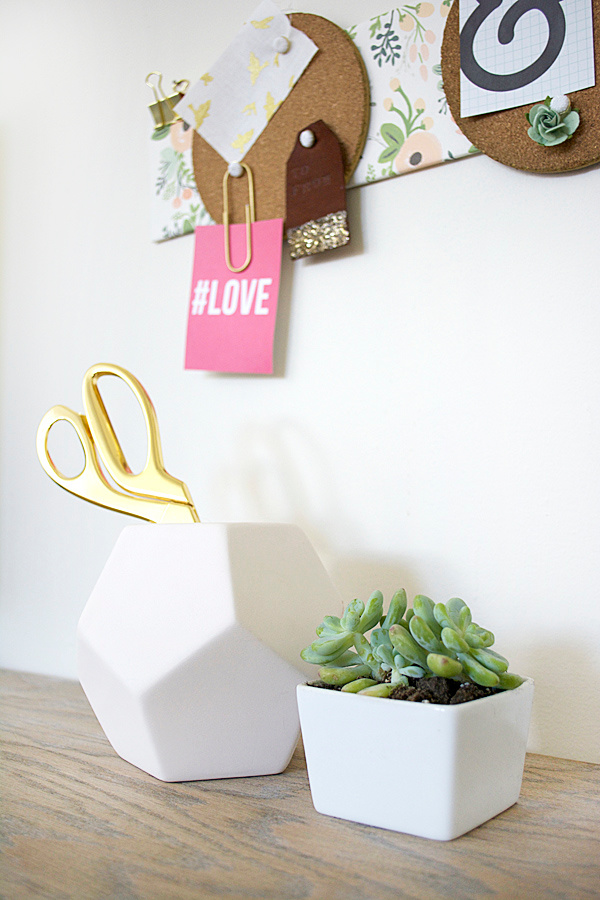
point(316, 214)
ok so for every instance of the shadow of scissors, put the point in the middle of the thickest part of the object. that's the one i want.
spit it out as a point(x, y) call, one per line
point(151, 494)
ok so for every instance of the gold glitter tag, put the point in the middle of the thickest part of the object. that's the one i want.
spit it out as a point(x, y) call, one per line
point(321, 234)
point(316, 215)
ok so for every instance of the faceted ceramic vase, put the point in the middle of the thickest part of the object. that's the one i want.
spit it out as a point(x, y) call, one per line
point(188, 648)
point(421, 768)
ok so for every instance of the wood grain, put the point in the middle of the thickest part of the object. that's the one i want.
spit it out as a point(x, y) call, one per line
point(79, 822)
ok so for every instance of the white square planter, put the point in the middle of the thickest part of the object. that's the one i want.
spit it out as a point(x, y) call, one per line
point(188, 647)
point(421, 768)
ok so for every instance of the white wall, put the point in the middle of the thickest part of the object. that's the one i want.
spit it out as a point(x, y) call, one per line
point(434, 418)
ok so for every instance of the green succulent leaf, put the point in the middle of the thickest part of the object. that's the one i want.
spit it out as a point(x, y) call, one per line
point(478, 673)
point(331, 625)
point(478, 637)
point(361, 645)
point(380, 638)
point(352, 615)
point(399, 661)
point(363, 648)
point(404, 643)
point(444, 666)
point(491, 660)
point(333, 675)
point(372, 612)
point(508, 681)
point(377, 690)
point(347, 659)
point(396, 609)
point(453, 641)
point(413, 671)
point(423, 608)
point(353, 687)
point(442, 616)
point(333, 646)
point(459, 612)
point(309, 656)
point(464, 618)
point(424, 636)
point(384, 655)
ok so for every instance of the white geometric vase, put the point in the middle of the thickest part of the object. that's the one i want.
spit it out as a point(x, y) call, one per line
point(188, 648)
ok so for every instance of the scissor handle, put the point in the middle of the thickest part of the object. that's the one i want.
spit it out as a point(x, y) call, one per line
point(91, 483)
point(153, 480)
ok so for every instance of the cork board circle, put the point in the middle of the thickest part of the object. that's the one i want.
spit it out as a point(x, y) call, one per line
point(334, 87)
point(503, 135)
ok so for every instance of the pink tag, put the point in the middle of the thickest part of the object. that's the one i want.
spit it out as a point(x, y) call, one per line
point(232, 315)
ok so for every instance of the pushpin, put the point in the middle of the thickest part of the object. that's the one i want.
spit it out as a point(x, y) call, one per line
point(281, 44)
point(307, 138)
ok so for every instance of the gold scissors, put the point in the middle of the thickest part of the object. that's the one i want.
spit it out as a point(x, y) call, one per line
point(151, 494)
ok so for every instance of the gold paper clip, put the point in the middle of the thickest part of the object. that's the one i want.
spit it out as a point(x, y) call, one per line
point(163, 108)
point(250, 218)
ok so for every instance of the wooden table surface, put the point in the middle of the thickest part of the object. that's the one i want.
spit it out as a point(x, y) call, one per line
point(79, 822)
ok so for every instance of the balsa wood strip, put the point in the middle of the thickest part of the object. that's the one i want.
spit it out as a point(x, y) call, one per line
point(79, 822)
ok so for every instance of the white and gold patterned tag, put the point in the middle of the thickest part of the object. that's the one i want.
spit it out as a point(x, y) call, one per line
point(232, 103)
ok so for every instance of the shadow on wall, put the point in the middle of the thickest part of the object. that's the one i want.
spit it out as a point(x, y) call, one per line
point(277, 474)
point(562, 703)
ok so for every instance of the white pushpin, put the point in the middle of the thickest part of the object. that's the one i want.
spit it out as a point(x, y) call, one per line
point(235, 169)
point(560, 105)
point(307, 138)
point(281, 44)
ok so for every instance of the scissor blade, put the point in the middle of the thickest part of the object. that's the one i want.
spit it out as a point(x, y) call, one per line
point(153, 481)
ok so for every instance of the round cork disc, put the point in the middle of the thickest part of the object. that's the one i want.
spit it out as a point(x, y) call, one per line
point(334, 87)
point(503, 135)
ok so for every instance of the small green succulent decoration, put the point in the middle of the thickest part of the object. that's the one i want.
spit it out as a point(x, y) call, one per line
point(429, 639)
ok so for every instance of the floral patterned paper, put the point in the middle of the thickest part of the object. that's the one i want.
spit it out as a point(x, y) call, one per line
point(176, 204)
point(411, 126)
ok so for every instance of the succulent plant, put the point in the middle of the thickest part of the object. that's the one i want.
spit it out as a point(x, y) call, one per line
point(429, 639)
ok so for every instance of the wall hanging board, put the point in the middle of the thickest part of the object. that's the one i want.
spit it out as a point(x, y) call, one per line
point(334, 88)
point(503, 135)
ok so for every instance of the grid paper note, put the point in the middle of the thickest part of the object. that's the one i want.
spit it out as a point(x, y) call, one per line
point(551, 52)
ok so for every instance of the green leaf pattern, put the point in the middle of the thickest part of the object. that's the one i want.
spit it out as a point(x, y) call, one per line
point(177, 206)
point(411, 126)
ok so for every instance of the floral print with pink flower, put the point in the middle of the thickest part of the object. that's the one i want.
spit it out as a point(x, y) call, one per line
point(411, 126)
point(176, 204)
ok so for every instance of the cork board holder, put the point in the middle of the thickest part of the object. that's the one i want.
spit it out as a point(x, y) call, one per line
point(503, 135)
point(334, 87)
